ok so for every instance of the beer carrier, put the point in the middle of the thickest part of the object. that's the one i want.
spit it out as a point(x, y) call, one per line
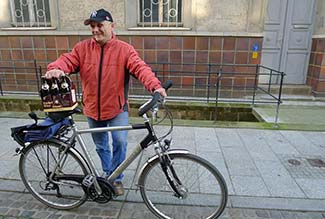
point(58, 94)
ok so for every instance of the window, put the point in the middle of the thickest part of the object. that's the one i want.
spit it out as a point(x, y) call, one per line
point(30, 13)
point(160, 13)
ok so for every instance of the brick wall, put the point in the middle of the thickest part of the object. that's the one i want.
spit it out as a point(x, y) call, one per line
point(193, 52)
point(316, 70)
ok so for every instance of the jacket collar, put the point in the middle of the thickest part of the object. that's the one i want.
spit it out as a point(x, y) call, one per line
point(107, 44)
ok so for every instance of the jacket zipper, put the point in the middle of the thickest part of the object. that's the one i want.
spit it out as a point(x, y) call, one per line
point(100, 79)
point(119, 102)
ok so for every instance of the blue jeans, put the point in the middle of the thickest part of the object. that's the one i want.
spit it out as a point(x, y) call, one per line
point(119, 142)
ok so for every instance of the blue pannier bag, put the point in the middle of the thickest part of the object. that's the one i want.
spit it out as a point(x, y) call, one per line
point(45, 130)
point(37, 132)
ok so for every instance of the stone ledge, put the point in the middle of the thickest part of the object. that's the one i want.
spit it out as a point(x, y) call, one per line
point(180, 110)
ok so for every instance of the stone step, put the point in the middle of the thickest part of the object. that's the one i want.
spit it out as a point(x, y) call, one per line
point(289, 89)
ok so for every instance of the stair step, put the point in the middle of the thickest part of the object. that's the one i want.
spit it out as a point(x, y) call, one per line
point(289, 89)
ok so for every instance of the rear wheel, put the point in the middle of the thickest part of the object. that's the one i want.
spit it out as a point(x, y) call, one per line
point(36, 165)
point(202, 188)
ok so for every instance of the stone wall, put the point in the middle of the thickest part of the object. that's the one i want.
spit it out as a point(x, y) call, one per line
point(198, 15)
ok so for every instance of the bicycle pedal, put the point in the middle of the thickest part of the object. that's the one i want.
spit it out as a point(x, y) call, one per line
point(88, 181)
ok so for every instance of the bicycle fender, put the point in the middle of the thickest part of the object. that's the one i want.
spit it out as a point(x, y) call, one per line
point(151, 159)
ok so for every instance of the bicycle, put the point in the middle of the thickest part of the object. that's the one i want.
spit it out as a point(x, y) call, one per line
point(57, 174)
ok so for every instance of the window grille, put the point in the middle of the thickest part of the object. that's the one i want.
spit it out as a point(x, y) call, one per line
point(160, 13)
point(30, 13)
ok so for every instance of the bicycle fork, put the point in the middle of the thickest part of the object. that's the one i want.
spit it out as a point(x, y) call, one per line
point(167, 166)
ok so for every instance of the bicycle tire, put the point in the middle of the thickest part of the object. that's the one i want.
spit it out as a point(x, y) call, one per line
point(206, 189)
point(35, 165)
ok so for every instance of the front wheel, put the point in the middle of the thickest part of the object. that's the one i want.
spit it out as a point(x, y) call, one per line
point(203, 189)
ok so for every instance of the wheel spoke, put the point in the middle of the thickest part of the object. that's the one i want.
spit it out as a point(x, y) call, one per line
point(35, 166)
point(204, 193)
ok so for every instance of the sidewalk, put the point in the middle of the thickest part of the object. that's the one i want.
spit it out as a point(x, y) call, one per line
point(264, 169)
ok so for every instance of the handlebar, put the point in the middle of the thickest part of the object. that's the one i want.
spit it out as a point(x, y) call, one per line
point(156, 97)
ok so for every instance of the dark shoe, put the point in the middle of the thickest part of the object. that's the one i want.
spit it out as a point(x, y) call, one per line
point(119, 190)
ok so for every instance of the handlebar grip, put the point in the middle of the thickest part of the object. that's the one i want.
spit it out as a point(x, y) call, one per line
point(166, 85)
point(150, 104)
point(156, 96)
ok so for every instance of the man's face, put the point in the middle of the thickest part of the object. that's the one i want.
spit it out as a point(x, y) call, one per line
point(102, 32)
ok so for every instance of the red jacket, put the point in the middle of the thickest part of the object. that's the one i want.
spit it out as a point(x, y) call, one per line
point(105, 73)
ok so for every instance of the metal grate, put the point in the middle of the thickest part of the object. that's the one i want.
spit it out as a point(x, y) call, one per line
point(30, 13)
point(160, 13)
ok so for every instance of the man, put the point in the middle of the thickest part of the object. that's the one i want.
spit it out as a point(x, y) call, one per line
point(105, 64)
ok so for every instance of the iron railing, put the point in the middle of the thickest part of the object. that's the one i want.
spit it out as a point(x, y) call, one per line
point(210, 83)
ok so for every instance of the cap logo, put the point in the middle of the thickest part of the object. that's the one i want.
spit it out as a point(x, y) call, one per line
point(93, 14)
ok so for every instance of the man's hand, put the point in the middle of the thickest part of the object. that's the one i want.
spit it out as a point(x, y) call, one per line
point(54, 73)
point(162, 92)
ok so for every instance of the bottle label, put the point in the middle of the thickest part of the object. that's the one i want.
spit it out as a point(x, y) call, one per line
point(47, 101)
point(73, 95)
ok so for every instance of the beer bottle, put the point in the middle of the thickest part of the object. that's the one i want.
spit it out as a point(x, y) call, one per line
point(55, 92)
point(45, 93)
point(64, 85)
point(65, 91)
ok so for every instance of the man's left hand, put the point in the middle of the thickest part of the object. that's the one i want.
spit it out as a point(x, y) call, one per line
point(162, 92)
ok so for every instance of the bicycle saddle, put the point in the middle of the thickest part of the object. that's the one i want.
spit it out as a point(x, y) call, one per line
point(57, 116)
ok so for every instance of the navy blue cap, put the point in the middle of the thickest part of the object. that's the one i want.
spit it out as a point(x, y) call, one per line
point(99, 16)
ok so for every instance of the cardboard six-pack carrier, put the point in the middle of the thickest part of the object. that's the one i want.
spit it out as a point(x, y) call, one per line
point(58, 94)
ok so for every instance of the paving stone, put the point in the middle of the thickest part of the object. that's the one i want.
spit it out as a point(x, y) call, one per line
point(17, 204)
point(81, 210)
point(94, 211)
point(27, 214)
point(81, 217)
point(30, 205)
point(13, 212)
point(41, 215)
point(68, 216)
point(262, 214)
point(249, 213)
point(111, 213)
point(5, 203)
point(275, 214)
point(234, 212)
point(287, 215)
point(54, 216)
point(3, 210)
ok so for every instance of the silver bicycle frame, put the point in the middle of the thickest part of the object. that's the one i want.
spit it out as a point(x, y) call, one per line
point(77, 134)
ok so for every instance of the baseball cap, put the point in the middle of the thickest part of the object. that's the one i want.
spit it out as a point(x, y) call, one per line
point(99, 16)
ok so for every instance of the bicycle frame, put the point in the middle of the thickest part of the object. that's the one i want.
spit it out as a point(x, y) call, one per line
point(77, 134)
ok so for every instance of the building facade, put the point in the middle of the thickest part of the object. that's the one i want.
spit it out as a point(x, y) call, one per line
point(192, 32)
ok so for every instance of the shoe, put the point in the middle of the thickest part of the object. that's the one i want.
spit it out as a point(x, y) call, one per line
point(119, 190)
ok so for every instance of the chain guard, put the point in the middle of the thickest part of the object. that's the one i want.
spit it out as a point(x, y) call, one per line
point(107, 191)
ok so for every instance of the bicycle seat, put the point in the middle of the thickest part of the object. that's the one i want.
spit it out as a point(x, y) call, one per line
point(57, 116)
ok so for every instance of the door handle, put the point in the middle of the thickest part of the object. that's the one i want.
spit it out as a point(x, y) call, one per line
point(296, 26)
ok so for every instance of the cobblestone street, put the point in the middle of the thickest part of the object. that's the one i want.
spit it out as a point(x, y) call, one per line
point(269, 174)
point(23, 205)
